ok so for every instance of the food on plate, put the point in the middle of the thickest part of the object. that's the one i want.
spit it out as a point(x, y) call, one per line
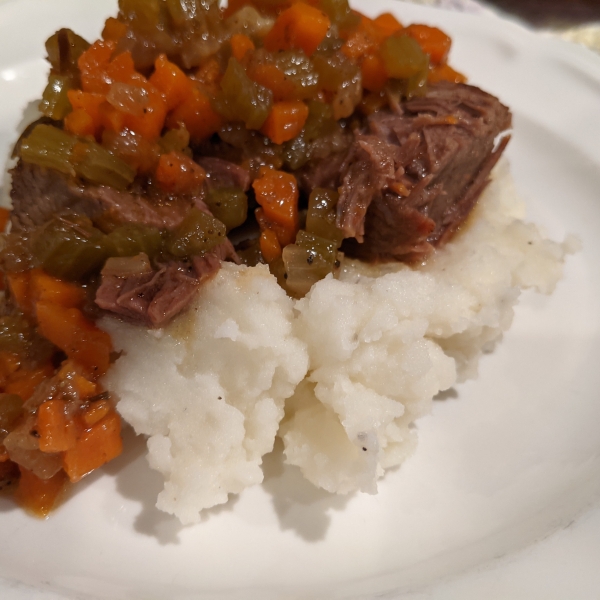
point(231, 224)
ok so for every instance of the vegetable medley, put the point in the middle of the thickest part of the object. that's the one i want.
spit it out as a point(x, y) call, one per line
point(280, 83)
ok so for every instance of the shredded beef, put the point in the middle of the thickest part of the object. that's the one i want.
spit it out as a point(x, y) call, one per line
point(414, 174)
point(154, 298)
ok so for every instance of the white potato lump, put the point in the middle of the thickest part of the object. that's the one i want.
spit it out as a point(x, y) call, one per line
point(384, 340)
point(359, 359)
point(209, 389)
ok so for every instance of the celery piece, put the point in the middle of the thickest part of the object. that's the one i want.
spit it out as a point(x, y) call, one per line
point(55, 101)
point(321, 215)
point(229, 205)
point(97, 165)
point(403, 58)
point(69, 247)
point(11, 408)
point(131, 239)
point(48, 146)
point(197, 234)
point(64, 49)
point(242, 99)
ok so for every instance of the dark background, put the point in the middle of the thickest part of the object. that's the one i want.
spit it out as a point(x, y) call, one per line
point(551, 13)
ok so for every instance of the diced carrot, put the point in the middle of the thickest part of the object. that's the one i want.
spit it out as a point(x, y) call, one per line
point(277, 194)
point(45, 288)
point(78, 337)
point(240, 44)
point(24, 381)
point(95, 412)
point(79, 377)
point(18, 286)
point(96, 446)
point(197, 115)
point(301, 26)
point(84, 103)
point(111, 118)
point(445, 73)
point(57, 432)
point(178, 174)
point(285, 121)
point(388, 24)
point(92, 65)
point(432, 40)
point(269, 245)
point(40, 496)
point(78, 122)
point(374, 75)
point(273, 78)
point(4, 217)
point(113, 29)
point(169, 79)
point(283, 234)
point(122, 69)
point(151, 123)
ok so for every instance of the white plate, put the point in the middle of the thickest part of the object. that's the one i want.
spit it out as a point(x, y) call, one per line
point(509, 460)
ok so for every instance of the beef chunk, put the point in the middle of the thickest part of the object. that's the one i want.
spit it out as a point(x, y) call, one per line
point(154, 297)
point(413, 176)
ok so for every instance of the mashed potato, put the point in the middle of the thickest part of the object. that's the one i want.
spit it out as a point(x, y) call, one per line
point(209, 390)
point(359, 359)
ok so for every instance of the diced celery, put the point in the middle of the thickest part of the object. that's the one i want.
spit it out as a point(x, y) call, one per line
point(242, 99)
point(69, 247)
point(55, 102)
point(64, 49)
point(197, 234)
point(321, 215)
point(97, 165)
point(229, 205)
point(403, 57)
point(48, 146)
point(131, 239)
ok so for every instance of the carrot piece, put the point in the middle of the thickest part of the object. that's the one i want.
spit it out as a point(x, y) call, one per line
point(57, 432)
point(269, 245)
point(433, 41)
point(18, 286)
point(96, 446)
point(285, 121)
point(277, 194)
point(92, 65)
point(96, 412)
point(275, 79)
point(111, 118)
point(24, 382)
point(4, 217)
point(84, 103)
point(169, 79)
point(122, 69)
point(151, 123)
point(300, 26)
point(445, 73)
point(240, 44)
point(78, 337)
point(40, 496)
point(388, 24)
point(374, 75)
point(113, 29)
point(79, 122)
point(178, 174)
point(197, 115)
point(45, 288)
